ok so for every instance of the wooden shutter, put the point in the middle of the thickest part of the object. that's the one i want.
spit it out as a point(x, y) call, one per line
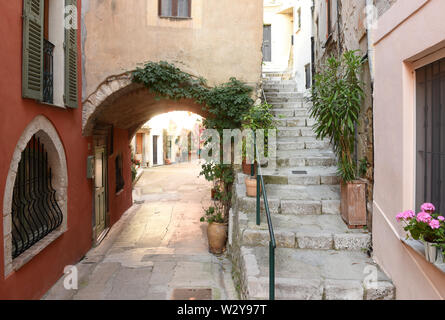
point(32, 70)
point(71, 90)
point(190, 8)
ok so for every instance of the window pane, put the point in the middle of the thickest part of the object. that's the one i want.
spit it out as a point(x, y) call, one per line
point(430, 120)
point(167, 8)
point(183, 8)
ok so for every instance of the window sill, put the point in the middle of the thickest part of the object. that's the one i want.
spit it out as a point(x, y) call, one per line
point(175, 18)
point(419, 247)
point(52, 105)
point(29, 254)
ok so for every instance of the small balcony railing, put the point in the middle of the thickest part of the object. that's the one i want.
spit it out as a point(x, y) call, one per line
point(48, 72)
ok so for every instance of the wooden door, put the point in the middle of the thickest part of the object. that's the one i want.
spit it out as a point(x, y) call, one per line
point(100, 191)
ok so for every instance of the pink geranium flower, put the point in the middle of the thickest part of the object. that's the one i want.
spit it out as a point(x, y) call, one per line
point(428, 207)
point(434, 224)
point(407, 215)
point(441, 218)
point(424, 217)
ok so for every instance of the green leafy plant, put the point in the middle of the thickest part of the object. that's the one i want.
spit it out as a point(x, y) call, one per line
point(336, 98)
point(259, 117)
point(213, 214)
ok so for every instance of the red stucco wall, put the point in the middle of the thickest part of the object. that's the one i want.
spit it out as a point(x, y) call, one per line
point(120, 202)
point(38, 275)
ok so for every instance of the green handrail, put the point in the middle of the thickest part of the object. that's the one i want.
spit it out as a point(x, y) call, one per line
point(261, 189)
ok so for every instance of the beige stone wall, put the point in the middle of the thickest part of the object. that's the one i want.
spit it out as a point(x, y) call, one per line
point(222, 39)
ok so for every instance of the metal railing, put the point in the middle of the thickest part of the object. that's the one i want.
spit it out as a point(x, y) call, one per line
point(48, 72)
point(261, 190)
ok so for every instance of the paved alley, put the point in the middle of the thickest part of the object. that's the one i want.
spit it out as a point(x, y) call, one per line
point(157, 247)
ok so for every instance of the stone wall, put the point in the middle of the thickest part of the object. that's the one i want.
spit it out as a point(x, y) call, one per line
point(349, 33)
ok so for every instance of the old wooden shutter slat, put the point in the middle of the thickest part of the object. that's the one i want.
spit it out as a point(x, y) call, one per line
point(32, 69)
point(71, 88)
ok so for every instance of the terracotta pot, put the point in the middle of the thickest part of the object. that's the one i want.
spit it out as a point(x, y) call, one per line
point(217, 236)
point(251, 186)
point(247, 168)
point(353, 203)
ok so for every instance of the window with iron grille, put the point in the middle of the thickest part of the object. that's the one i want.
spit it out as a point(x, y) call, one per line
point(430, 135)
point(175, 8)
point(35, 211)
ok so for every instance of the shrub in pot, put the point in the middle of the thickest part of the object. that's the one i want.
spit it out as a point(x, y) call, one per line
point(259, 117)
point(427, 226)
point(216, 230)
point(336, 97)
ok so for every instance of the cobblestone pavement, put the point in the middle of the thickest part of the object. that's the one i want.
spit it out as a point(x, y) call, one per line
point(158, 246)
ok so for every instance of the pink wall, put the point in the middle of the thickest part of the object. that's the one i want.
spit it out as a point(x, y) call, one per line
point(406, 33)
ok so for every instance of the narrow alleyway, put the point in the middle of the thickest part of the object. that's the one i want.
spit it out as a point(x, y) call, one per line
point(157, 247)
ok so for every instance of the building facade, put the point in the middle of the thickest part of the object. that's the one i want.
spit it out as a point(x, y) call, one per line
point(45, 195)
point(287, 33)
point(408, 120)
point(340, 26)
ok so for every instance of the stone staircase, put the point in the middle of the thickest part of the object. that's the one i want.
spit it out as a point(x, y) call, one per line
point(317, 257)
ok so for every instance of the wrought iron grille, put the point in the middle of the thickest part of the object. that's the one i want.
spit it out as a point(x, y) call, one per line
point(48, 72)
point(35, 211)
point(430, 120)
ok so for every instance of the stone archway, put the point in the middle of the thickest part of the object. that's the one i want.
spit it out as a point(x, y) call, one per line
point(45, 131)
point(127, 105)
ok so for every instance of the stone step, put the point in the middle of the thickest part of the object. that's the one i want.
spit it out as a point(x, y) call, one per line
point(299, 144)
point(286, 159)
point(280, 100)
point(301, 176)
point(298, 104)
point(312, 275)
point(290, 207)
point(279, 192)
point(290, 112)
point(295, 122)
point(284, 94)
point(295, 132)
point(314, 232)
point(279, 88)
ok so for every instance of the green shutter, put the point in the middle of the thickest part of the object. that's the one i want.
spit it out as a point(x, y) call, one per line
point(32, 71)
point(71, 96)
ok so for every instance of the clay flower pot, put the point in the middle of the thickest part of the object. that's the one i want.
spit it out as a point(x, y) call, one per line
point(251, 186)
point(247, 168)
point(217, 236)
point(353, 203)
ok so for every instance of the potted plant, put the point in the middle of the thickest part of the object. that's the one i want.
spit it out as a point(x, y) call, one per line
point(258, 117)
point(427, 226)
point(336, 98)
point(216, 229)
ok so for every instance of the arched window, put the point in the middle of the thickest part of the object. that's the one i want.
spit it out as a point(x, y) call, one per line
point(35, 198)
point(35, 211)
